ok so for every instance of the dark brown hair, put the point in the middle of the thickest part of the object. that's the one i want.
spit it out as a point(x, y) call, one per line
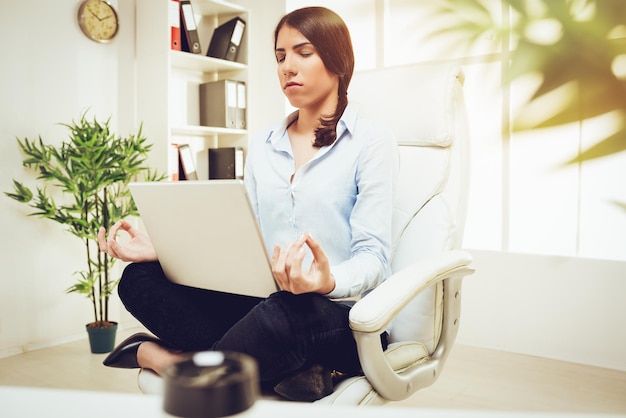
point(329, 34)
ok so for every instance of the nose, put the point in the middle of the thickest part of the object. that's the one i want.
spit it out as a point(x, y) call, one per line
point(288, 66)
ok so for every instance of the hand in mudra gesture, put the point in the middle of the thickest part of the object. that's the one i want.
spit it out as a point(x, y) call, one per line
point(293, 277)
point(138, 249)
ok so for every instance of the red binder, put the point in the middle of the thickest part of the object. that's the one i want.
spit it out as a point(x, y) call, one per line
point(174, 17)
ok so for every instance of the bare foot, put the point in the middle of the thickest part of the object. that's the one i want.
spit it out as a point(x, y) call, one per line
point(151, 355)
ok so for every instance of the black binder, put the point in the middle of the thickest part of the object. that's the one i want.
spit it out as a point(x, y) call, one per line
point(189, 31)
point(227, 39)
point(225, 163)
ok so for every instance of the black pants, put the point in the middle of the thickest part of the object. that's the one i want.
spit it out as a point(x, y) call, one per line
point(284, 332)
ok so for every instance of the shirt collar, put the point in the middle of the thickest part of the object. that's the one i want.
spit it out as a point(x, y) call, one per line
point(346, 123)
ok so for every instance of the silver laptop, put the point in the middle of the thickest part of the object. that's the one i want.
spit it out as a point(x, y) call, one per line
point(206, 235)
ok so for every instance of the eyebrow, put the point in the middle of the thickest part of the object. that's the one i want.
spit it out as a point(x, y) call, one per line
point(300, 45)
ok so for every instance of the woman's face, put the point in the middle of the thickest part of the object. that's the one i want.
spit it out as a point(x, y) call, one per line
point(302, 74)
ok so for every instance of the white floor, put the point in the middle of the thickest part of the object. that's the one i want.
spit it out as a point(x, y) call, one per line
point(473, 378)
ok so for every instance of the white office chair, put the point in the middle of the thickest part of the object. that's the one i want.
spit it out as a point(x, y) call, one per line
point(420, 303)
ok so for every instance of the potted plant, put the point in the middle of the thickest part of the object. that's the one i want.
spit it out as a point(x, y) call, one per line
point(92, 169)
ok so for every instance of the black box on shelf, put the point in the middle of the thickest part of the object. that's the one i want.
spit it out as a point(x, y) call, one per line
point(225, 163)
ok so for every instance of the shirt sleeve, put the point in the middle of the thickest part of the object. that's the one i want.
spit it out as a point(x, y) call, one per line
point(370, 220)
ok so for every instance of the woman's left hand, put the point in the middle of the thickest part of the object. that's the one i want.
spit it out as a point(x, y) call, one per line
point(288, 271)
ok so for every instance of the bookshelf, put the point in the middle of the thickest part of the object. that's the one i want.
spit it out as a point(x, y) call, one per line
point(168, 83)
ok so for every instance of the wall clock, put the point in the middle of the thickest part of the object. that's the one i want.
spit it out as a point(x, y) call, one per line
point(98, 20)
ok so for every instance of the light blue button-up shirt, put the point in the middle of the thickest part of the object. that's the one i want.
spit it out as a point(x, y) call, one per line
point(343, 196)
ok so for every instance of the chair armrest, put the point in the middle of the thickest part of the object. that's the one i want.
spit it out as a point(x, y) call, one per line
point(375, 311)
point(370, 316)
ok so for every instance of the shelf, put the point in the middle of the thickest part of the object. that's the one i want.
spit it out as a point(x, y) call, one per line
point(168, 82)
point(214, 7)
point(192, 130)
point(196, 62)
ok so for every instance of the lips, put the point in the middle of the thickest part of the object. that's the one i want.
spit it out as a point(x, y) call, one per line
point(292, 84)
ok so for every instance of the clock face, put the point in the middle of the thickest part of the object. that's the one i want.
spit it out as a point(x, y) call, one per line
point(98, 20)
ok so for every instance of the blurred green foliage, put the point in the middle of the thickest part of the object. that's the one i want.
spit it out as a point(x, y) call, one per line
point(576, 43)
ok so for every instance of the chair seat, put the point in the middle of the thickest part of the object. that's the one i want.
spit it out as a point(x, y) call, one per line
point(406, 354)
point(358, 390)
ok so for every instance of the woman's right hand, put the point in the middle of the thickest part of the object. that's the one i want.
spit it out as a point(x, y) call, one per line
point(138, 249)
point(292, 277)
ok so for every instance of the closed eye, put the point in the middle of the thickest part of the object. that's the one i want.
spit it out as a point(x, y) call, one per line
point(304, 49)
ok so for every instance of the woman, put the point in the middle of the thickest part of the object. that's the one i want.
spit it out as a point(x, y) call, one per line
point(321, 187)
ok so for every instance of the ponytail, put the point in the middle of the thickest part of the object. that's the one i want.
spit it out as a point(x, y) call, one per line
point(327, 133)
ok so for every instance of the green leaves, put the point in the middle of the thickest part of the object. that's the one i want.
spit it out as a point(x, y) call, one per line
point(84, 285)
point(91, 162)
point(22, 193)
point(583, 54)
point(567, 43)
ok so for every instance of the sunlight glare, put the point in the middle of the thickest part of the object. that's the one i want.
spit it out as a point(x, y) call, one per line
point(544, 31)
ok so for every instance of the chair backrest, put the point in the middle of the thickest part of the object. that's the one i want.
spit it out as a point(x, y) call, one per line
point(429, 215)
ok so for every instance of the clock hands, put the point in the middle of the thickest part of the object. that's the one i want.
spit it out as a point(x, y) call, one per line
point(100, 19)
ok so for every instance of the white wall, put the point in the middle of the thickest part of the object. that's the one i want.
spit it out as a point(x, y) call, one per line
point(51, 73)
point(566, 308)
